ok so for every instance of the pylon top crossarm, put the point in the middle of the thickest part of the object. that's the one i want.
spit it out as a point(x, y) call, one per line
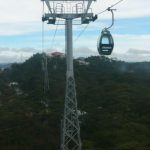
point(67, 16)
point(69, 9)
point(78, 4)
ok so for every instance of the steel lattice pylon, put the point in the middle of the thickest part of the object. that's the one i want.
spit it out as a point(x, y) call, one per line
point(70, 124)
point(70, 132)
point(71, 129)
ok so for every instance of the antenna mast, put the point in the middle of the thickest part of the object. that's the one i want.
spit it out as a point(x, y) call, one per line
point(68, 11)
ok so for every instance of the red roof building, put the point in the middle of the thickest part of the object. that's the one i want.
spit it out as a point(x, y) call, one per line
point(57, 54)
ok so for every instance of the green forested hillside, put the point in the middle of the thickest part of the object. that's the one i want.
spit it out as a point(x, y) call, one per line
point(114, 97)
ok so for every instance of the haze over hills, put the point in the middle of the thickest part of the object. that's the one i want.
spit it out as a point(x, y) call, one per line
point(5, 65)
point(113, 102)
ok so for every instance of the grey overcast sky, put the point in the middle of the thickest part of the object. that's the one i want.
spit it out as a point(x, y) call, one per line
point(20, 30)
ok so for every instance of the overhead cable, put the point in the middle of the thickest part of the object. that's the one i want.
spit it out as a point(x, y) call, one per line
point(53, 39)
point(110, 7)
point(79, 35)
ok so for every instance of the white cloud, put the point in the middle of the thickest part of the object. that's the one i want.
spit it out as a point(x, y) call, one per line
point(20, 28)
point(8, 55)
point(27, 10)
point(125, 42)
point(4, 50)
point(24, 16)
point(138, 52)
point(20, 10)
point(131, 57)
point(84, 52)
point(20, 55)
point(8, 59)
point(8, 29)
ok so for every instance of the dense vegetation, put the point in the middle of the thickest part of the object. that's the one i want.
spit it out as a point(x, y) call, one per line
point(115, 96)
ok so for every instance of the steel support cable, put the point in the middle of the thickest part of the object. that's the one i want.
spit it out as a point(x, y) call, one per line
point(83, 29)
point(110, 7)
point(79, 35)
point(43, 32)
point(44, 62)
point(43, 40)
point(43, 29)
point(53, 39)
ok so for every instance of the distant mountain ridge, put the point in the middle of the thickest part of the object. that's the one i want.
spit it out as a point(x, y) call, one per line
point(5, 65)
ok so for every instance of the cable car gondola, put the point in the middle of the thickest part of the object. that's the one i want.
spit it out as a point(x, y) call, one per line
point(105, 43)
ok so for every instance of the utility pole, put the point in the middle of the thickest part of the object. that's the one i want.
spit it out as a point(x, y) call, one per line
point(68, 11)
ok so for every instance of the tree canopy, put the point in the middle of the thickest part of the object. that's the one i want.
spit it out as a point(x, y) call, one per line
point(113, 97)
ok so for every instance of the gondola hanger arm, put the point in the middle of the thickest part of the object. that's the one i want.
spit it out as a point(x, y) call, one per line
point(112, 12)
